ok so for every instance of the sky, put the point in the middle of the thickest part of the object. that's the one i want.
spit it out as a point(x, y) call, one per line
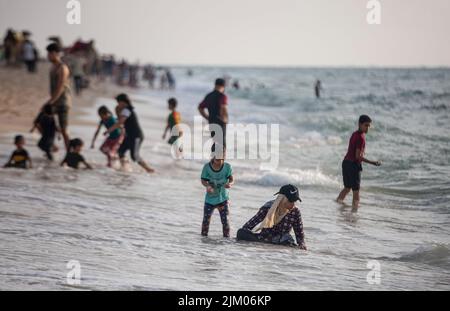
point(412, 33)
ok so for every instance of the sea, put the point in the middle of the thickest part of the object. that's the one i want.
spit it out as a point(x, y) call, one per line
point(112, 229)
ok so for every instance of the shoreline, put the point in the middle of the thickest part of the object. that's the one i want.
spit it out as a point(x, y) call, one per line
point(22, 94)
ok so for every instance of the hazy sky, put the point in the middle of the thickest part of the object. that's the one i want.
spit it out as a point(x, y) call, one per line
point(247, 32)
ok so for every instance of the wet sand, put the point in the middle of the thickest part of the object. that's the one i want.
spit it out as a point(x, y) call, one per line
point(23, 94)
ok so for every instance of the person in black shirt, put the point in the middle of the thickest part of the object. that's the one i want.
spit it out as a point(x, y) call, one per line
point(46, 124)
point(216, 104)
point(133, 132)
point(20, 157)
point(74, 157)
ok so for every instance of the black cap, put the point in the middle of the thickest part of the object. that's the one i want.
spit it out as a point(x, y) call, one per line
point(290, 192)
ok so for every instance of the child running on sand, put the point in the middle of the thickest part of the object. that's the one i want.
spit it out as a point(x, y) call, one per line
point(115, 138)
point(217, 177)
point(173, 121)
point(20, 157)
point(352, 164)
point(74, 157)
point(46, 124)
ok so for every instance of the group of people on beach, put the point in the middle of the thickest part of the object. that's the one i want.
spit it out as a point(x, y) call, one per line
point(274, 220)
point(18, 48)
point(84, 62)
point(124, 133)
point(278, 217)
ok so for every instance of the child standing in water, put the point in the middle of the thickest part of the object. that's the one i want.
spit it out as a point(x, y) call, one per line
point(46, 124)
point(217, 177)
point(20, 157)
point(173, 121)
point(352, 164)
point(115, 138)
point(74, 157)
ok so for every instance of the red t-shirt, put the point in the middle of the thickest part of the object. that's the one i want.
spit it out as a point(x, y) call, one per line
point(357, 141)
point(213, 101)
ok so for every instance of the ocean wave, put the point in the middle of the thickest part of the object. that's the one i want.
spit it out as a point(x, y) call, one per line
point(294, 176)
point(411, 93)
point(436, 107)
point(264, 97)
point(444, 95)
point(375, 100)
point(435, 255)
point(314, 138)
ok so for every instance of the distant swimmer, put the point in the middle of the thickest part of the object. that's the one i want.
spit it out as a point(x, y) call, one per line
point(173, 122)
point(170, 79)
point(217, 178)
point(112, 143)
point(164, 81)
point(318, 88)
point(277, 218)
point(20, 157)
point(352, 164)
point(216, 103)
point(236, 85)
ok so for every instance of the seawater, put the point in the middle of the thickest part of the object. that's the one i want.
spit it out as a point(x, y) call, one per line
point(133, 231)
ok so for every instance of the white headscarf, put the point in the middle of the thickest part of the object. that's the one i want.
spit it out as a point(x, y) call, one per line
point(275, 214)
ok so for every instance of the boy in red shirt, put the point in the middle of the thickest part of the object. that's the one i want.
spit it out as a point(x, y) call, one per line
point(352, 164)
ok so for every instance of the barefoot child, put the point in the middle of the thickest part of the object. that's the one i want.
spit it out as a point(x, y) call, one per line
point(46, 124)
point(352, 164)
point(217, 177)
point(36, 126)
point(172, 122)
point(20, 157)
point(134, 136)
point(74, 157)
point(115, 138)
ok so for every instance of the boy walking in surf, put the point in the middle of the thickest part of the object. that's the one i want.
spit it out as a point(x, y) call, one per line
point(173, 122)
point(352, 164)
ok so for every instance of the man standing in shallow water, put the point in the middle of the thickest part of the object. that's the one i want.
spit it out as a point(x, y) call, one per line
point(59, 89)
point(216, 103)
point(352, 164)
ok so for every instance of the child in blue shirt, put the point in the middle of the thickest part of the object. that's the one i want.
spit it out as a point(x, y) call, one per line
point(114, 139)
point(217, 177)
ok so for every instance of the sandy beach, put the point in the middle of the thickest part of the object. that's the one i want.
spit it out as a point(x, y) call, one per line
point(23, 94)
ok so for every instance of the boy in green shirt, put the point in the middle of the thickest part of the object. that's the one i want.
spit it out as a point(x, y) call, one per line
point(173, 121)
point(217, 177)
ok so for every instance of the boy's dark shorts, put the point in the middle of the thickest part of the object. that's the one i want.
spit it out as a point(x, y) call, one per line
point(134, 145)
point(173, 139)
point(62, 112)
point(351, 171)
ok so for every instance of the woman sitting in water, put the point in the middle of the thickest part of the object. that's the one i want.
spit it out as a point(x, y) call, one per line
point(277, 218)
